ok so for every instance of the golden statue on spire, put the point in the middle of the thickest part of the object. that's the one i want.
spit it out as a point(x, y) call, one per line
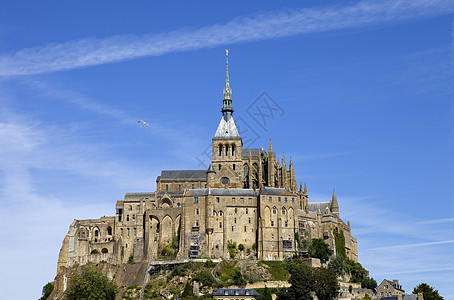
point(227, 52)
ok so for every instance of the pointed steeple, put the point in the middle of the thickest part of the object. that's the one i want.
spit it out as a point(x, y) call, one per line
point(305, 189)
point(227, 108)
point(301, 187)
point(283, 160)
point(334, 205)
point(270, 148)
point(291, 163)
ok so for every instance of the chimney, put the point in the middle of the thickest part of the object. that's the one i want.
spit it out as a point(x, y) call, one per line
point(396, 281)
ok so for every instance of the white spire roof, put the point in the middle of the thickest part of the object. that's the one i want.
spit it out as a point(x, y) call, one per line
point(227, 129)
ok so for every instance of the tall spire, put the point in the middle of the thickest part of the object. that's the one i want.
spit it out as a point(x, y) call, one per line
point(270, 149)
point(334, 205)
point(227, 108)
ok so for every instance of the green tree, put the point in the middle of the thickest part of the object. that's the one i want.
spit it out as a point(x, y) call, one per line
point(336, 264)
point(301, 280)
point(369, 283)
point(266, 294)
point(319, 249)
point(231, 247)
point(91, 284)
point(188, 293)
point(205, 278)
point(428, 292)
point(47, 290)
point(326, 286)
point(238, 278)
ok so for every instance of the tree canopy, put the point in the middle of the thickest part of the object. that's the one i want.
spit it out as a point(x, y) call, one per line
point(47, 290)
point(326, 286)
point(428, 292)
point(91, 284)
point(319, 249)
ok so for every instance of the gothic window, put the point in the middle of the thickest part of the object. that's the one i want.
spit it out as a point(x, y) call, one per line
point(236, 210)
point(255, 176)
point(233, 150)
point(219, 166)
point(272, 223)
point(179, 187)
point(167, 187)
point(104, 250)
point(233, 167)
point(246, 176)
point(226, 150)
point(96, 233)
point(274, 210)
point(283, 210)
point(220, 150)
point(109, 230)
point(221, 213)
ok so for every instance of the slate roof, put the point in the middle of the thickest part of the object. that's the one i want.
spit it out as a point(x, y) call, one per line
point(318, 206)
point(224, 192)
point(404, 297)
point(276, 191)
point(227, 129)
point(235, 292)
point(182, 174)
point(254, 152)
point(395, 285)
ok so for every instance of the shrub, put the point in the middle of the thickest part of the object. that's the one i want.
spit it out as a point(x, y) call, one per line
point(91, 283)
point(205, 278)
point(47, 290)
point(231, 247)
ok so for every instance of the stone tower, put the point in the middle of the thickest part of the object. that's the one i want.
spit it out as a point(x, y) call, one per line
point(227, 144)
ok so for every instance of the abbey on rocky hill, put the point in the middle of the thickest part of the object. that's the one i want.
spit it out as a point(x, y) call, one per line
point(245, 197)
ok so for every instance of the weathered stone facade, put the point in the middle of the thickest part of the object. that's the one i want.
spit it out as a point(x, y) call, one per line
point(245, 197)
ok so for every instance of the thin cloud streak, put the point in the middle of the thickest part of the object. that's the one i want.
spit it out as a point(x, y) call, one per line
point(437, 221)
point(414, 245)
point(93, 51)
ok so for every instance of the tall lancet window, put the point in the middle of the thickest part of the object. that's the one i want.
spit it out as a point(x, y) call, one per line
point(246, 176)
point(233, 149)
point(220, 150)
point(226, 150)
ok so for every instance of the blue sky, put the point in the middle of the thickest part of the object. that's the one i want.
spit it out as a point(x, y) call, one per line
point(365, 89)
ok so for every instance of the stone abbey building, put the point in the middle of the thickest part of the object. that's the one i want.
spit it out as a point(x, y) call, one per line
point(247, 196)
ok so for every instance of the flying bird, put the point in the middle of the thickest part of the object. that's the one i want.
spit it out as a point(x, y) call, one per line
point(143, 122)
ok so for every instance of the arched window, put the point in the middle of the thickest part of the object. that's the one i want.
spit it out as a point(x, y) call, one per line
point(219, 167)
point(226, 150)
point(233, 149)
point(283, 210)
point(96, 233)
point(274, 210)
point(246, 176)
point(221, 213)
point(220, 150)
point(109, 230)
point(104, 250)
point(255, 175)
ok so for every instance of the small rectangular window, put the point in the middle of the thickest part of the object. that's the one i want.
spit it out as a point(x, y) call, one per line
point(242, 200)
point(293, 200)
point(249, 220)
point(127, 217)
point(179, 187)
point(196, 211)
point(250, 200)
point(245, 229)
point(217, 199)
point(232, 228)
point(271, 199)
point(196, 199)
point(233, 200)
point(133, 217)
point(192, 186)
point(272, 223)
point(285, 199)
point(167, 187)
point(278, 199)
point(220, 224)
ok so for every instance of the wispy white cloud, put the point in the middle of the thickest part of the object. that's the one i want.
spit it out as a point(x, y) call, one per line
point(437, 221)
point(93, 51)
point(414, 245)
